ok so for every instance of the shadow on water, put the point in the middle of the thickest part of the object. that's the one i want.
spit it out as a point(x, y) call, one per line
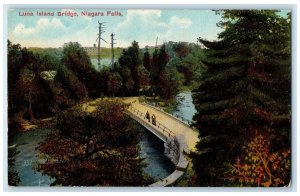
point(152, 149)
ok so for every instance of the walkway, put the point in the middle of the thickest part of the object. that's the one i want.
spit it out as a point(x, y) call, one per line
point(172, 123)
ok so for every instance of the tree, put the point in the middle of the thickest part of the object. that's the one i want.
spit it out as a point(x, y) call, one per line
point(143, 78)
point(134, 53)
point(70, 81)
point(128, 84)
point(245, 90)
point(181, 49)
point(14, 66)
point(136, 75)
point(257, 166)
point(114, 83)
point(166, 87)
point(159, 79)
point(186, 69)
point(154, 72)
point(77, 59)
point(93, 148)
point(163, 58)
point(33, 93)
point(147, 60)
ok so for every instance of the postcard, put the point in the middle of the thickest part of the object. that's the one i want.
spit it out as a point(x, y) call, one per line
point(102, 97)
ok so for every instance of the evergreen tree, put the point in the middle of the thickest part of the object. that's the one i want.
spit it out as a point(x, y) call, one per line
point(77, 59)
point(245, 90)
point(154, 72)
point(134, 53)
point(137, 75)
point(14, 66)
point(160, 80)
point(163, 58)
point(147, 59)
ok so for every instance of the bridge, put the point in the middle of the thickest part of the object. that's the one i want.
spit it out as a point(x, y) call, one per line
point(178, 137)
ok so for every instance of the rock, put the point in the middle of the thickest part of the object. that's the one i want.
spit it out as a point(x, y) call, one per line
point(172, 150)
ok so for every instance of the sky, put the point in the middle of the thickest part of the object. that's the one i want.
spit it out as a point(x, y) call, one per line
point(134, 24)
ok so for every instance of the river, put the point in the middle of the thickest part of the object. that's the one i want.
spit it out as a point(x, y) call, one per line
point(24, 161)
point(152, 149)
point(104, 62)
point(185, 108)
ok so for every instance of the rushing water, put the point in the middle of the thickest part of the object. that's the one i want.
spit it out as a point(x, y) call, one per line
point(152, 149)
point(185, 107)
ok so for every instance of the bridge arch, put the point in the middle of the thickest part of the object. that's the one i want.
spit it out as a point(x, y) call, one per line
point(178, 138)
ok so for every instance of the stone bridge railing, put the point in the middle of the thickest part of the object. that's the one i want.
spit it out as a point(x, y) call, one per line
point(180, 119)
point(158, 125)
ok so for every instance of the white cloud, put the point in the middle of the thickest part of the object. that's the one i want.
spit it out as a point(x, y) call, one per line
point(21, 31)
point(180, 22)
point(145, 16)
point(146, 13)
point(46, 23)
point(42, 25)
point(145, 25)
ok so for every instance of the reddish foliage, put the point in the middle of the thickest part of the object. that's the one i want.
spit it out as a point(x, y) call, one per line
point(260, 167)
point(93, 148)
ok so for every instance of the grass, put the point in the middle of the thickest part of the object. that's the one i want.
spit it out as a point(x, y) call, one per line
point(106, 53)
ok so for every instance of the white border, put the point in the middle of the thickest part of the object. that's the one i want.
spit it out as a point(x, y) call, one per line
point(213, 4)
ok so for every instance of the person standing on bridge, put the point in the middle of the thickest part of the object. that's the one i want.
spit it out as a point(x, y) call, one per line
point(153, 119)
point(148, 116)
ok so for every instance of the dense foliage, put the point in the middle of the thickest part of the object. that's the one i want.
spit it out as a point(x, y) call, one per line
point(259, 167)
point(93, 148)
point(187, 59)
point(135, 75)
point(244, 100)
point(38, 85)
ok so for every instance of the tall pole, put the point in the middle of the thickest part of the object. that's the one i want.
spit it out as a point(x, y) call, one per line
point(99, 38)
point(112, 49)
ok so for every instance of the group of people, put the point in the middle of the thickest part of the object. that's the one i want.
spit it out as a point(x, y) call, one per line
point(153, 118)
